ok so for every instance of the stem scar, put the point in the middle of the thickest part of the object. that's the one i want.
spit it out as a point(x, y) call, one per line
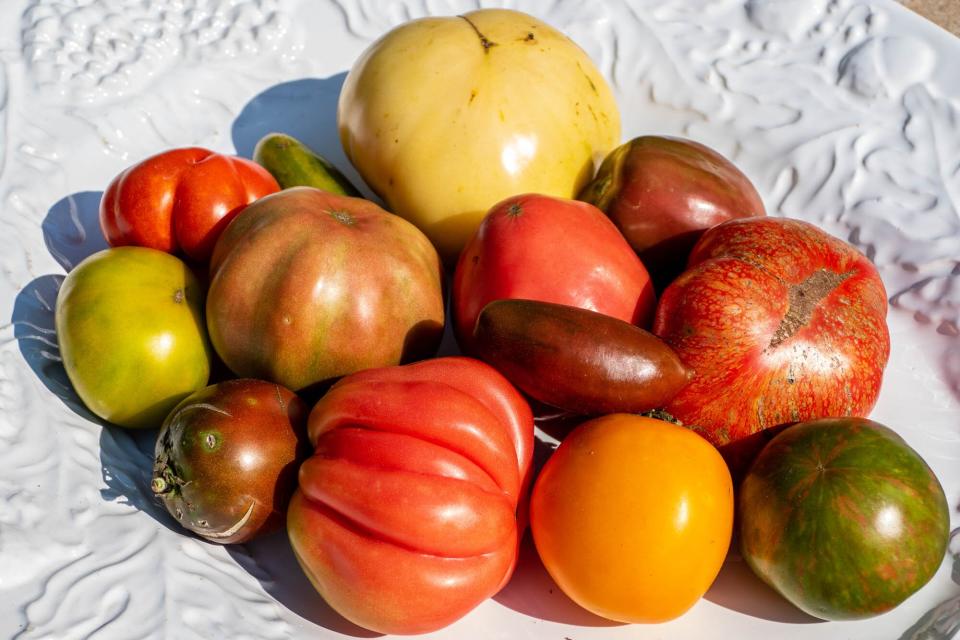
point(484, 41)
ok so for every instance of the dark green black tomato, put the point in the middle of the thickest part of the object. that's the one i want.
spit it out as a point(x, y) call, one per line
point(227, 459)
point(843, 518)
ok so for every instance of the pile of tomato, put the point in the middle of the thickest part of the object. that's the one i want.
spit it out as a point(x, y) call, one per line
point(692, 345)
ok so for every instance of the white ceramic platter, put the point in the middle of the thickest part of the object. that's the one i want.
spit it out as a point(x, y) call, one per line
point(845, 113)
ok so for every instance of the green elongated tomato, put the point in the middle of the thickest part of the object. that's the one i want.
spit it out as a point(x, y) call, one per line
point(131, 332)
point(294, 164)
point(576, 359)
point(307, 286)
point(843, 518)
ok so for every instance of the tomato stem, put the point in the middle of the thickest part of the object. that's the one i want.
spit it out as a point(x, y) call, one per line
point(159, 485)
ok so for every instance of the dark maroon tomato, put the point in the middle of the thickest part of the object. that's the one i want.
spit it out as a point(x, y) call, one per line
point(843, 518)
point(663, 193)
point(578, 360)
point(227, 458)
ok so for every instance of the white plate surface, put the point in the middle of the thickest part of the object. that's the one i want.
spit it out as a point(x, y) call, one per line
point(845, 113)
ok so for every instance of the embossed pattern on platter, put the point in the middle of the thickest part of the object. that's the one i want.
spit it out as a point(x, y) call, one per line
point(833, 108)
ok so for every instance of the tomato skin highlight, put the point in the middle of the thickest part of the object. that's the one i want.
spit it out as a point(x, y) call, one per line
point(406, 516)
point(633, 517)
point(578, 360)
point(442, 128)
point(664, 192)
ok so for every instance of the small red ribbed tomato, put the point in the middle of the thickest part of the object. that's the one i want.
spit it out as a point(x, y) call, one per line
point(179, 201)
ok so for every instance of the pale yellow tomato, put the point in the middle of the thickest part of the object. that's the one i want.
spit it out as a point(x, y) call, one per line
point(632, 517)
point(444, 117)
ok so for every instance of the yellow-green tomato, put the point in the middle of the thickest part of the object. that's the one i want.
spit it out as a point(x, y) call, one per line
point(131, 332)
point(444, 117)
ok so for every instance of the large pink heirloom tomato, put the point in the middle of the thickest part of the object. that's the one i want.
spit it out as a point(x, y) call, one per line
point(307, 286)
point(405, 518)
point(781, 322)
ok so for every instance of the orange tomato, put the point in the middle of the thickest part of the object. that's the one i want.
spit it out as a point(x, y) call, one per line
point(632, 517)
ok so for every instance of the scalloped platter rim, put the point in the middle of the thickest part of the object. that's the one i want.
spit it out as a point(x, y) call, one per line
point(845, 113)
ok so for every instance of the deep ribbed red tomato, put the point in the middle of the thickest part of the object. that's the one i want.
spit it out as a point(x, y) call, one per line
point(179, 201)
point(405, 518)
point(549, 249)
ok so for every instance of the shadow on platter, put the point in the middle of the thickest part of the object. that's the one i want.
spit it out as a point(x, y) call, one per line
point(126, 463)
point(271, 561)
point(35, 331)
point(305, 109)
point(531, 591)
point(739, 589)
point(126, 456)
point(71, 229)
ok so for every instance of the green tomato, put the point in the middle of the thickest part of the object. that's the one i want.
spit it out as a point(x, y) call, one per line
point(132, 335)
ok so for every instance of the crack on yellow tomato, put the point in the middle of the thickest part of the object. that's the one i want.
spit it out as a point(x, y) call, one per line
point(178, 296)
point(593, 113)
point(485, 42)
point(803, 299)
